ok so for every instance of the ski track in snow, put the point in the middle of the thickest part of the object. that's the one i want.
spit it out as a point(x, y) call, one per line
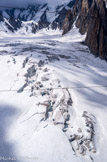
point(45, 113)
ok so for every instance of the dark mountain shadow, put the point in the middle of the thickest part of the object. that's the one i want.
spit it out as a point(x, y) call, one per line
point(7, 113)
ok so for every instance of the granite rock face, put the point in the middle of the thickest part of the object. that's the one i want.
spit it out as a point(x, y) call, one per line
point(68, 22)
point(92, 19)
point(97, 30)
point(70, 17)
point(83, 18)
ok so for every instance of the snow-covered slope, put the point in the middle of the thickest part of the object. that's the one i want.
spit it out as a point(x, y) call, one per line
point(53, 103)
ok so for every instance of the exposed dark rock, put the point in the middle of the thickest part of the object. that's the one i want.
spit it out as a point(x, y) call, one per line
point(92, 19)
point(22, 88)
point(68, 22)
point(70, 17)
point(25, 62)
point(30, 72)
point(97, 31)
point(34, 28)
point(59, 21)
point(1, 17)
point(53, 58)
point(83, 18)
point(41, 63)
point(49, 108)
point(13, 24)
point(65, 57)
point(43, 23)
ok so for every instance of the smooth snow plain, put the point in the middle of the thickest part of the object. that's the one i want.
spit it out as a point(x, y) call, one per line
point(25, 135)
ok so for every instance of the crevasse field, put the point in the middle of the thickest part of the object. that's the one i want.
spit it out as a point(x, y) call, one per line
point(53, 99)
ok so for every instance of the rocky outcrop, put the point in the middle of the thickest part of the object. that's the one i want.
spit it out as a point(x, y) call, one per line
point(43, 23)
point(83, 18)
point(92, 19)
point(97, 30)
point(59, 21)
point(70, 17)
point(68, 22)
point(13, 24)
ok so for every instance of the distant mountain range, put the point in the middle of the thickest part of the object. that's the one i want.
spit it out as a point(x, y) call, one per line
point(90, 16)
point(35, 17)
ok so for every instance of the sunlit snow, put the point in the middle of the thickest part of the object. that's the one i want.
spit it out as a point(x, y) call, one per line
point(67, 70)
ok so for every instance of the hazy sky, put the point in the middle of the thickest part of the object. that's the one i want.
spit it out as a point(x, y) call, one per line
point(23, 3)
point(19, 3)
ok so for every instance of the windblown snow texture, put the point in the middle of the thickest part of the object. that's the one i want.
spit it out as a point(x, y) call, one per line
point(53, 91)
point(53, 99)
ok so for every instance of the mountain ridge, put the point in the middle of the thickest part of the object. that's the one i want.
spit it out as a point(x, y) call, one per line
point(88, 16)
point(41, 14)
